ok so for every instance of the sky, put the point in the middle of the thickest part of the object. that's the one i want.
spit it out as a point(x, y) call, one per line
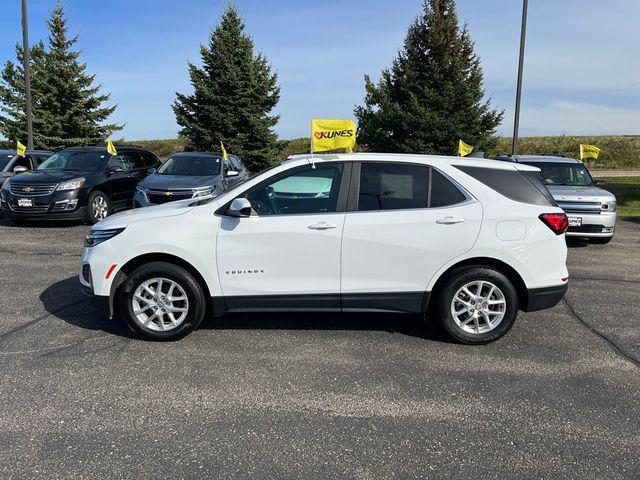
point(581, 76)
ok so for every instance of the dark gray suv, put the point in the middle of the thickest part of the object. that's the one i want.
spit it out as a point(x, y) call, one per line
point(188, 175)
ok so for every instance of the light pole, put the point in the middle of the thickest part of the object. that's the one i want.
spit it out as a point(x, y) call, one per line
point(27, 80)
point(516, 122)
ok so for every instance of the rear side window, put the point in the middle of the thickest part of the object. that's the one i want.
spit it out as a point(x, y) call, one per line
point(134, 159)
point(443, 192)
point(510, 183)
point(393, 186)
point(149, 159)
point(400, 186)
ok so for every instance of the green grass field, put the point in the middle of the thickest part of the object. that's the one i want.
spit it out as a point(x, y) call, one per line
point(627, 192)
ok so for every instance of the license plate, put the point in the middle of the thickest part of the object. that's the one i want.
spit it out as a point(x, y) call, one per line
point(25, 202)
point(575, 221)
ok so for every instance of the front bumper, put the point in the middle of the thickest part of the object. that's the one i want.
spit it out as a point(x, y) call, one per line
point(593, 225)
point(547, 297)
point(59, 205)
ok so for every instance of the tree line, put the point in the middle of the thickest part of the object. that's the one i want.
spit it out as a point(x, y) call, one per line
point(431, 96)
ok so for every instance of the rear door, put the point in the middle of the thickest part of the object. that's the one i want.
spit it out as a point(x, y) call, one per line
point(404, 222)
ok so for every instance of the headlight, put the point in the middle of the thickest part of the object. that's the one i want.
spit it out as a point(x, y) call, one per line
point(74, 184)
point(610, 206)
point(205, 191)
point(96, 237)
point(141, 190)
point(5, 185)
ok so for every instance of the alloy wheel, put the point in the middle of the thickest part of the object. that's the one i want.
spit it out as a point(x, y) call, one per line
point(99, 207)
point(478, 307)
point(160, 304)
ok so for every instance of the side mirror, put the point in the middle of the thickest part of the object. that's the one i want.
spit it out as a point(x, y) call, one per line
point(232, 173)
point(151, 171)
point(599, 182)
point(240, 207)
point(20, 169)
point(112, 170)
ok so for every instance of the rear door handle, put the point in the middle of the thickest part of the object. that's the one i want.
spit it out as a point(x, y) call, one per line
point(322, 226)
point(449, 220)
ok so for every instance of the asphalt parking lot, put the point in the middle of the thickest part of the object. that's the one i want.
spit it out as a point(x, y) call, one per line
point(316, 396)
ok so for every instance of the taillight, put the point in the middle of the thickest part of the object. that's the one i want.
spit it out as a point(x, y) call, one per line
point(557, 222)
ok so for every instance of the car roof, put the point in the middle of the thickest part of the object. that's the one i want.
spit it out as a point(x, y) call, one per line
point(104, 147)
point(434, 160)
point(539, 158)
point(13, 152)
point(198, 154)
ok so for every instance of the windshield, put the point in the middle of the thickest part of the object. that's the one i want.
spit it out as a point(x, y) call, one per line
point(196, 165)
point(5, 159)
point(569, 174)
point(83, 160)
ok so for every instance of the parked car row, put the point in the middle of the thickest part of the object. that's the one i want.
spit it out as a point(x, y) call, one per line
point(88, 183)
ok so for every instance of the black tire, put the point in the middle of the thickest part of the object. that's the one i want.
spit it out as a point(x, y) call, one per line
point(92, 218)
point(462, 276)
point(600, 240)
point(184, 279)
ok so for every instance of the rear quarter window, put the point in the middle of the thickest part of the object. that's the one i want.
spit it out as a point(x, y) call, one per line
point(511, 184)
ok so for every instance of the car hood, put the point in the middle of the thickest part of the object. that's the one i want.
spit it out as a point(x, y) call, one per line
point(171, 182)
point(122, 219)
point(567, 193)
point(52, 176)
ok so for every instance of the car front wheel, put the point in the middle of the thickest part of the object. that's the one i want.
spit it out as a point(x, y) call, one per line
point(162, 301)
point(98, 206)
point(477, 305)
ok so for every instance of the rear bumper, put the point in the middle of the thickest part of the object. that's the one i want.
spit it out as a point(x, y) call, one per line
point(547, 297)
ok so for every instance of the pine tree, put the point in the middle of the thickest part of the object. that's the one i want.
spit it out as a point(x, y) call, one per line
point(234, 93)
point(13, 122)
point(433, 94)
point(70, 107)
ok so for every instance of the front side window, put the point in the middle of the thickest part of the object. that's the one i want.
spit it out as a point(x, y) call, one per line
point(191, 165)
point(5, 159)
point(569, 174)
point(84, 161)
point(305, 191)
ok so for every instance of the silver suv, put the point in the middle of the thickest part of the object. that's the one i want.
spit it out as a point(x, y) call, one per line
point(591, 210)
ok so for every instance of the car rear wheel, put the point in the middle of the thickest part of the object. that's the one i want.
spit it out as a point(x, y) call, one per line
point(477, 305)
point(162, 301)
point(99, 206)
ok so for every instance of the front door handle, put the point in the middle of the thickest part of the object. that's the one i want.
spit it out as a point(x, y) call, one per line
point(322, 226)
point(449, 220)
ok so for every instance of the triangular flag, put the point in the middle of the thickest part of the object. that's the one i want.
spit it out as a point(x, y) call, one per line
point(224, 151)
point(111, 149)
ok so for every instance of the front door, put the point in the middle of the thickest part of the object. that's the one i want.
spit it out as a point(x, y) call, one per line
point(286, 255)
point(406, 222)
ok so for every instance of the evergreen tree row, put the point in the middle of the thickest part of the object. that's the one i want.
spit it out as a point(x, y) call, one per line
point(431, 96)
point(68, 108)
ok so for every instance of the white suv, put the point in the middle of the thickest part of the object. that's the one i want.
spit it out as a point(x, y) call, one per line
point(469, 242)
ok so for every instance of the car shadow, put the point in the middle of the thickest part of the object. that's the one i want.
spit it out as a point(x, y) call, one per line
point(65, 300)
point(577, 242)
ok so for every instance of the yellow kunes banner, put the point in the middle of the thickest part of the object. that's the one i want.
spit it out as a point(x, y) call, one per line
point(332, 135)
point(464, 149)
point(589, 151)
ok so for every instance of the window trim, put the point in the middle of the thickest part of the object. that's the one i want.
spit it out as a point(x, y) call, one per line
point(354, 189)
point(341, 204)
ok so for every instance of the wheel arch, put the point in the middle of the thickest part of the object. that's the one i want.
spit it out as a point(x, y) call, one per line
point(502, 267)
point(135, 262)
